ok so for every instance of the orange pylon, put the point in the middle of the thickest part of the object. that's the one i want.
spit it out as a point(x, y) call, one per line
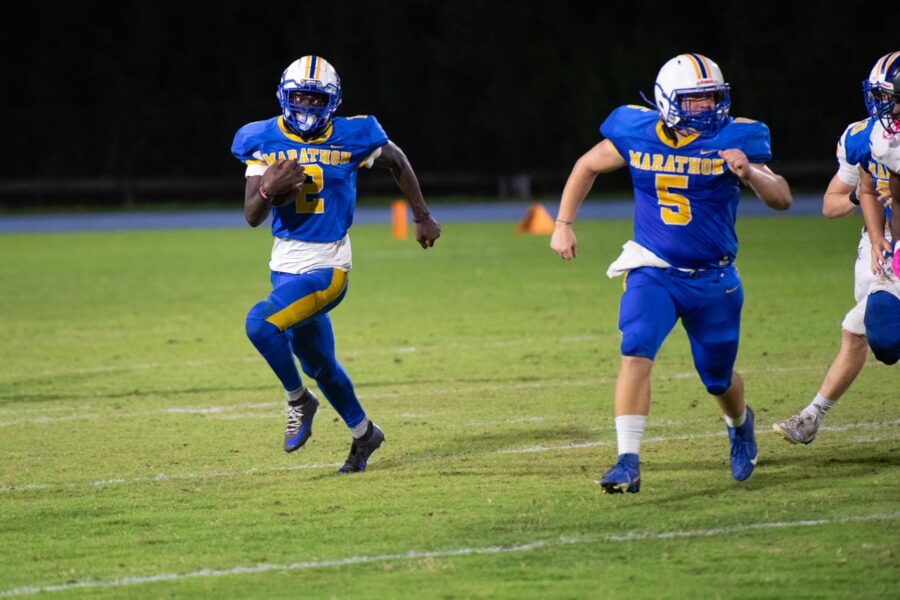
point(536, 220)
point(398, 219)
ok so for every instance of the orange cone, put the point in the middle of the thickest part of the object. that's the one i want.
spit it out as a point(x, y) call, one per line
point(536, 220)
point(398, 219)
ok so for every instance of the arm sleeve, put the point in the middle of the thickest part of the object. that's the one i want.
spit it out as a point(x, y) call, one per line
point(757, 145)
point(375, 138)
point(846, 172)
point(618, 124)
point(246, 149)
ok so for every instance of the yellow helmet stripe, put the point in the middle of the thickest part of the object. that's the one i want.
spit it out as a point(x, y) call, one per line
point(886, 61)
point(696, 64)
point(318, 67)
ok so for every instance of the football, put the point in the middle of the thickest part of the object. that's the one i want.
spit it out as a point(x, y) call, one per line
point(279, 200)
point(283, 198)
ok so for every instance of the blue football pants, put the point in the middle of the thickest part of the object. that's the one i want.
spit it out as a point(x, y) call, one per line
point(293, 321)
point(709, 305)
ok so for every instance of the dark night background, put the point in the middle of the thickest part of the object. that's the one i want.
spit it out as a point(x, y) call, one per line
point(106, 94)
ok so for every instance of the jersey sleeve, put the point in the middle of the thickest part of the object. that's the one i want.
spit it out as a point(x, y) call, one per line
point(373, 138)
point(846, 170)
point(856, 142)
point(757, 144)
point(245, 148)
point(622, 122)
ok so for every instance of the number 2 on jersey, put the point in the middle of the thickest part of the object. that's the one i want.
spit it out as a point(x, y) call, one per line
point(674, 209)
point(308, 200)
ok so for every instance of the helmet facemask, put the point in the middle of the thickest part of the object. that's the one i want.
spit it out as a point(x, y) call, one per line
point(301, 114)
point(701, 121)
point(881, 92)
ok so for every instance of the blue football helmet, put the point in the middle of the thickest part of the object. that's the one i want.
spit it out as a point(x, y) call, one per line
point(882, 91)
point(312, 75)
point(691, 75)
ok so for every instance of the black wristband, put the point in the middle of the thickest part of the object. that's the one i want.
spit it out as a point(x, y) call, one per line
point(853, 199)
point(423, 218)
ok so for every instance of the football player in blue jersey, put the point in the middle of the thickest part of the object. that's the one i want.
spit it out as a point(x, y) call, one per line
point(301, 169)
point(848, 188)
point(688, 159)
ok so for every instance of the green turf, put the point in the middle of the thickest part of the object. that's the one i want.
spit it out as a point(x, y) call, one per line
point(140, 433)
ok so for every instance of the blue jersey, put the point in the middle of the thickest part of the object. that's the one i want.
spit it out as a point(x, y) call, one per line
point(855, 142)
point(685, 197)
point(323, 209)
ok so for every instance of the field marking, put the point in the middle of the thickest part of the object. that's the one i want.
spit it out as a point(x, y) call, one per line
point(362, 352)
point(166, 477)
point(495, 343)
point(413, 555)
point(464, 387)
point(163, 477)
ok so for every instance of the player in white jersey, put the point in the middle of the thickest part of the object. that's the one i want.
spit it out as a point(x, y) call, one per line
point(844, 192)
point(883, 306)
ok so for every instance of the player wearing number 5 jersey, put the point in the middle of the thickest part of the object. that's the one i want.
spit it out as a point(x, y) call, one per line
point(688, 159)
point(301, 169)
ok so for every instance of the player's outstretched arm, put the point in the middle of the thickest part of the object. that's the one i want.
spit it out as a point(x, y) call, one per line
point(393, 158)
point(836, 202)
point(602, 158)
point(771, 188)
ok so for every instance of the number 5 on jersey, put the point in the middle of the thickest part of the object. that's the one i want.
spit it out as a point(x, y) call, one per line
point(674, 209)
point(308, 200)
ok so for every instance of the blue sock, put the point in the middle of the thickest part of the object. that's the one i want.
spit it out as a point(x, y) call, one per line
point(338, 390)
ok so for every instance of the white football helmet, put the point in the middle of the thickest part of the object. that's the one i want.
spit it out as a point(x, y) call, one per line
point(882, 91)
point(686, 75)
point(314, 75)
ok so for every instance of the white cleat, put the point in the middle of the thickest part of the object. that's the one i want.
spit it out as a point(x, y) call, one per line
point(799, 429)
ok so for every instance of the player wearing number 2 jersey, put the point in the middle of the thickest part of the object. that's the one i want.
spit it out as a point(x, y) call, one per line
point(301, 169)
point(687, 160)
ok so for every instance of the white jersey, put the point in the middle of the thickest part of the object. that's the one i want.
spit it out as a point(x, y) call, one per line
point(885, 147)
point(294, 256)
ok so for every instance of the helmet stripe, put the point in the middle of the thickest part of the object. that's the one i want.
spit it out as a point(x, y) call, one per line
point(699, 59)
point(695, 63)
point(889, 61)
point(312, 67)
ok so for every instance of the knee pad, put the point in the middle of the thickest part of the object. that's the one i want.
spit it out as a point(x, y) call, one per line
point(883, 326)
point(718, 388)
point(256, 326)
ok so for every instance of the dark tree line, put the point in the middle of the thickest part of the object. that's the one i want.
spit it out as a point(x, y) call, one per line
point(157, 89)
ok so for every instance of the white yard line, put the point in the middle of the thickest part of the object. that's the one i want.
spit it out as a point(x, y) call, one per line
point(414, 555)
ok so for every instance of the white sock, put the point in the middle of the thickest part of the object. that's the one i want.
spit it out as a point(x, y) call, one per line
point(629, 430)
point(360, 429)
point(293, 396)
point(819, 406)
point(736, 422)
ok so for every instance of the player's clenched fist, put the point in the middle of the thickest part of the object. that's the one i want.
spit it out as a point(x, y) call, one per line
point(737, 162)
point(282, 177)
point(563, 241)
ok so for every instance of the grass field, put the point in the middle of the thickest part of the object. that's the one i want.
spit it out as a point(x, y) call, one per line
point(140, 433)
